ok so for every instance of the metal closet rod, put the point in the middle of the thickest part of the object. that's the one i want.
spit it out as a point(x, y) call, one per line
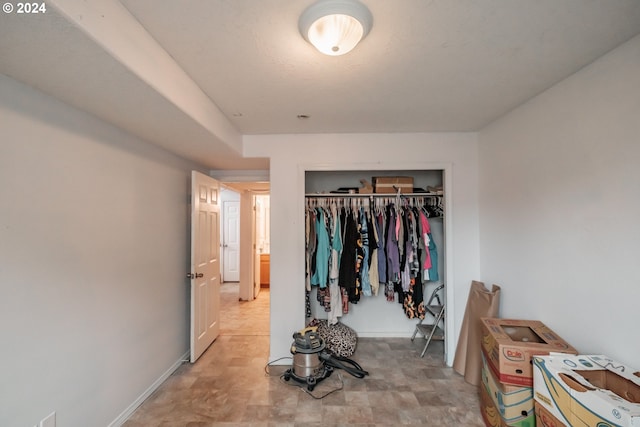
point(388, 195)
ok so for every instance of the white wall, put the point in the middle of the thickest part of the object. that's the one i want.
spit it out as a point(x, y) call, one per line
point(93, 254)
point(228, 195)
point(560, 207)
point(291, 155)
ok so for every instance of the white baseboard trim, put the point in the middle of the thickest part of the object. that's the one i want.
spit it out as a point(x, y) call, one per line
point(403, 334)
point(124, 416)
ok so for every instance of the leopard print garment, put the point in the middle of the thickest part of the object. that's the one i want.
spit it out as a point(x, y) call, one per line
point(339, 339)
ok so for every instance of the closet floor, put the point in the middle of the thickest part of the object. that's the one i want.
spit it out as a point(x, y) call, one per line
point(230, 386)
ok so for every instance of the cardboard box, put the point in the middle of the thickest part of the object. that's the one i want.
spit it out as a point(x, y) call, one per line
point(544, 418)
point(514, 403)
point(491, 415)
point(388, 184)
point(509, 345)
point(366, 187)
point(584, 390)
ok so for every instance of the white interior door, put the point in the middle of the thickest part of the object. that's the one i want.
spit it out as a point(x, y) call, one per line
point(205, 263)
point(231, 241)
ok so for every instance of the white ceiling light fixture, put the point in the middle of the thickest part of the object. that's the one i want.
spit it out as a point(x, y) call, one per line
point(335, 27)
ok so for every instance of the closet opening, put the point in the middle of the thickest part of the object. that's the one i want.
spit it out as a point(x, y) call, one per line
point(389, 293)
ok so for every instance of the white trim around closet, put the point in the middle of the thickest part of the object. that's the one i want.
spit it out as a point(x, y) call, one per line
point(447, 168)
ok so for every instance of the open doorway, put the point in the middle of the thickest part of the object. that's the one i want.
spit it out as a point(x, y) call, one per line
point(263, 239)
point(245, 247)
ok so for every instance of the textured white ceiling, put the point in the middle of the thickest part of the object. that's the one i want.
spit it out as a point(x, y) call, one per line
point(439, 65)
point(446, 65)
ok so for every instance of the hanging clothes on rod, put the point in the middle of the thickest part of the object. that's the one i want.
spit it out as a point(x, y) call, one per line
point(356, 245)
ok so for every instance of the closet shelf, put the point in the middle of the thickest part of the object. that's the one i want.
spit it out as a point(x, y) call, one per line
point(376, 195)
point(435, 200)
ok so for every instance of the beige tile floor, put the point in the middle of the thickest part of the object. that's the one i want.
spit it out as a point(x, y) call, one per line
point(231, 386)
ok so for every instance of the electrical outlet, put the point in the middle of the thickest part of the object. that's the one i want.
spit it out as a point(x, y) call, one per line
point(49, 421)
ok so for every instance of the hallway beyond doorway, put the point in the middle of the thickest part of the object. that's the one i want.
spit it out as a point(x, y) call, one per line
point(243, 317)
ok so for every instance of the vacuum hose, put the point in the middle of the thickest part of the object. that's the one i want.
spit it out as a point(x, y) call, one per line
point(339, 362)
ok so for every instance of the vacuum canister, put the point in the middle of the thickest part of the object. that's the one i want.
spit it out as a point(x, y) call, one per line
point(306, 347)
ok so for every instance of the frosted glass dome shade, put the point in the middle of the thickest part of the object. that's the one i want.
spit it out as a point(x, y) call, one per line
point(335, 27)
point(335, 34)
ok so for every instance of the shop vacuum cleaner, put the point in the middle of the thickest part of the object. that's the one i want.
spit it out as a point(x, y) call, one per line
point(313, 362)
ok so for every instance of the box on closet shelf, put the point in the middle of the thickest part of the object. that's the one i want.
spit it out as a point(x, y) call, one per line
point(390, 184)
point(510, 344)
point(366, 188)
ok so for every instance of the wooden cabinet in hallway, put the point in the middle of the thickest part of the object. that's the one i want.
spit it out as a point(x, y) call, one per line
point(264, 270)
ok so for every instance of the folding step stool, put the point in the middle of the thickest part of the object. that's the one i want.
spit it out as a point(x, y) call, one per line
point(435, 330)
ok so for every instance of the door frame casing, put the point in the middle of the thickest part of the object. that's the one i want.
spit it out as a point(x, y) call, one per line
point(247, 239)
point(447, 178)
